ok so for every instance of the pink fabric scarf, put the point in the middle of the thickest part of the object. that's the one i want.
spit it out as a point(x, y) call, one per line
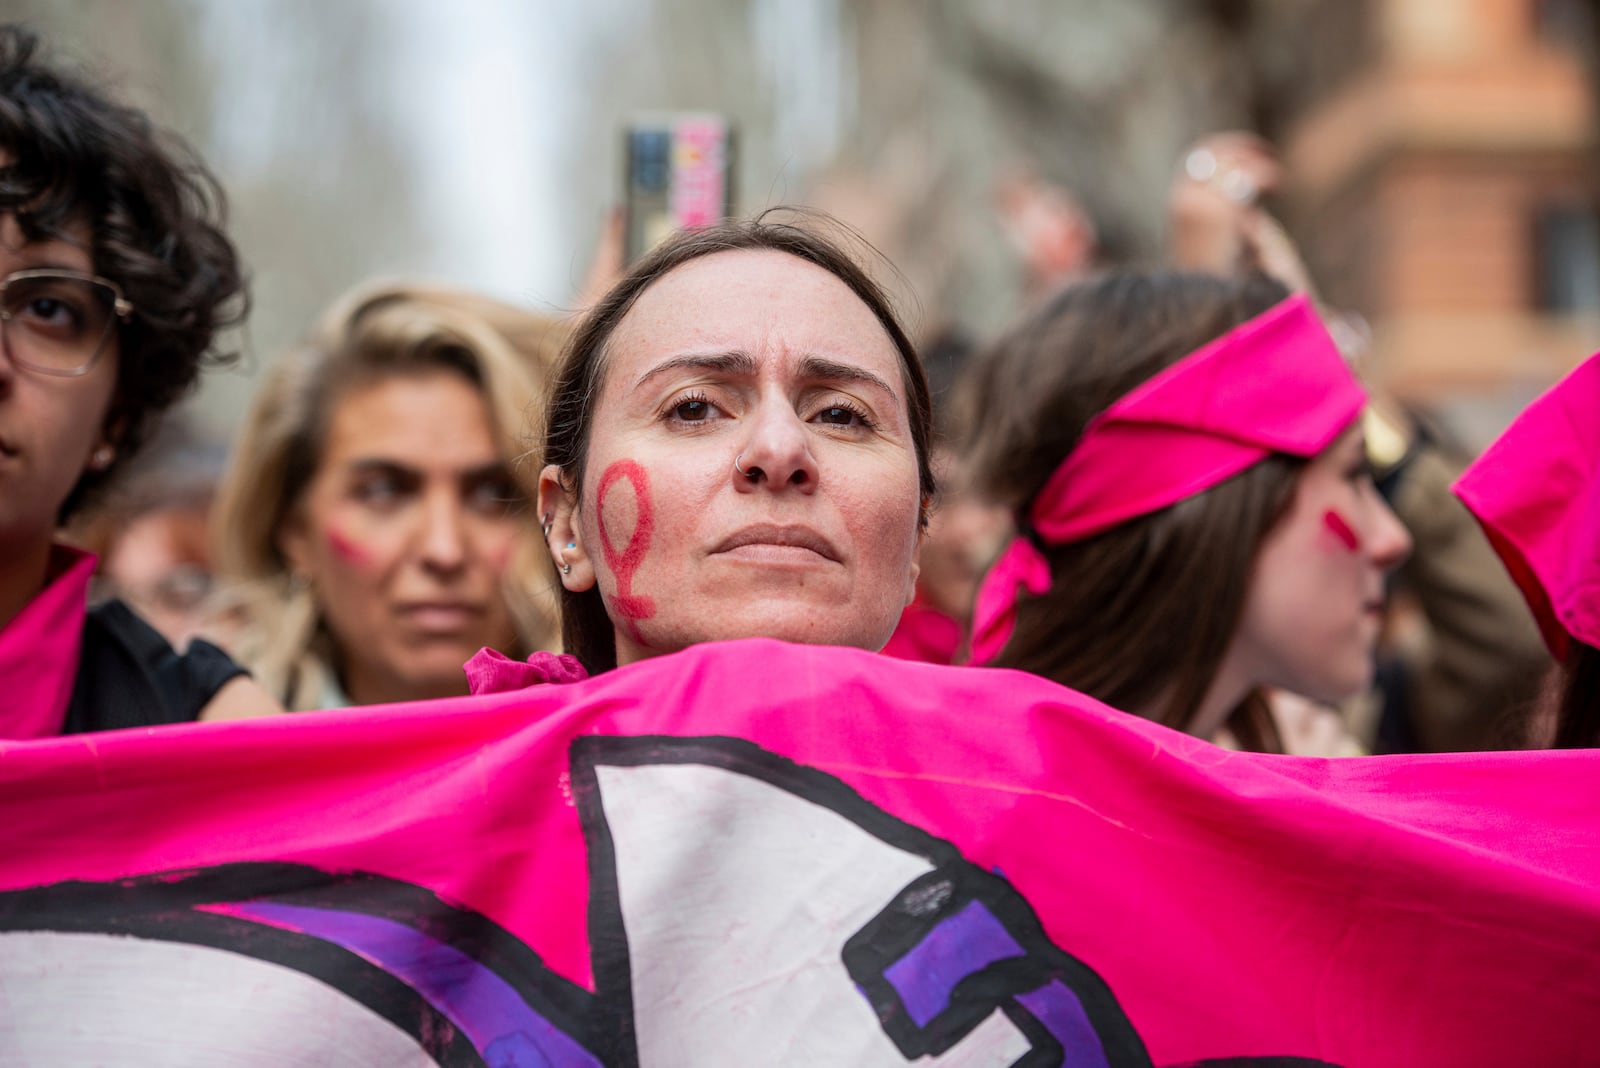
point(1536, 491)
point(1275, 384)
point(39, 650)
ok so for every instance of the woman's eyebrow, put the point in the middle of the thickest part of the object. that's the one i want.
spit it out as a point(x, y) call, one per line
point(730, 364)
point(484, 472)
point(379, 464)
point(362, 467)
point(819, 369)
point(742, 364)
point(54, 256)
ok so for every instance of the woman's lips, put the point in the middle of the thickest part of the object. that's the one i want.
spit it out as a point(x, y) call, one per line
point(767, 541)
point(441, 617)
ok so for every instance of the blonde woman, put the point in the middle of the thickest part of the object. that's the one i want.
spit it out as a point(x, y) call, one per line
point(374, 529)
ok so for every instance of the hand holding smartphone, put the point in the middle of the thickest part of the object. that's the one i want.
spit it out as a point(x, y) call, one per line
point(678, 174)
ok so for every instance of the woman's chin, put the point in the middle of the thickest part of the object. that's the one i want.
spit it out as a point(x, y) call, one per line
point(812, 624)
point(1335, 690)
point(803, 624)
point(435, 676)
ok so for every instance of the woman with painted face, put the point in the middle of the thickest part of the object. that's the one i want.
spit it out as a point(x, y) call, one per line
point(115, 276)
point(736, 446)
point(1197, 522)
point(374, 524)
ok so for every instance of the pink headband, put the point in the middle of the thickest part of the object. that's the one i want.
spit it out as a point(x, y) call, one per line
point(1274, 384)
point(1536, 491)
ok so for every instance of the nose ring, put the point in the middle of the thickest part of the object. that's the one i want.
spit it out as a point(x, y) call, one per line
point(752, 474)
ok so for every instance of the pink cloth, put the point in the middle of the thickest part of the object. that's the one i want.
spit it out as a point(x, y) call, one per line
point(1536, 491)
point(491, 671)
point(925, 634)
point(1275, 384)
point(779, 824)
point(39, 650)
point(994, 613)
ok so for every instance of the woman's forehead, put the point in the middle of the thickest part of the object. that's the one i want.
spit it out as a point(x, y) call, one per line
point(1352, 439)
point(71, 250)
point(760, 302)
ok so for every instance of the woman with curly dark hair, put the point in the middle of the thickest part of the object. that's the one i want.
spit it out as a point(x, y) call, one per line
point(115, 276)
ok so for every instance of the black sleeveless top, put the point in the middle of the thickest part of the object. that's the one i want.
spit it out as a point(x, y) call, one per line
point(128, 676)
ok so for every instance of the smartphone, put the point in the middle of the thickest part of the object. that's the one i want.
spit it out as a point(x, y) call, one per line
point(678, 173)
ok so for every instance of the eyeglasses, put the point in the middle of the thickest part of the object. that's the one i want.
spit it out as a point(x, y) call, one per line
point(56, 322)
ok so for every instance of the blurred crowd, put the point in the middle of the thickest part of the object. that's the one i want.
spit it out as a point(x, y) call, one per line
point(1163, 485)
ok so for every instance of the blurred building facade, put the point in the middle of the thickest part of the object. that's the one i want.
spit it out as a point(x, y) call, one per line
point(1441, 153)
point(1445, 187)
point(906, 116)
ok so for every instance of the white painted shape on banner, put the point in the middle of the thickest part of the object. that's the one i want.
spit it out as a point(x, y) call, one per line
point(79, 999)
point(737, 898)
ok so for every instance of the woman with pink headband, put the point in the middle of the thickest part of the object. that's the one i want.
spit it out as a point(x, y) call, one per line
point(1196, 518)
point(1536, 491)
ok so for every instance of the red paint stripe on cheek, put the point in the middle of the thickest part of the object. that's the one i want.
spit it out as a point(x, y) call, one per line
point(1341, 529)
point(624, 563)
point(346, 548)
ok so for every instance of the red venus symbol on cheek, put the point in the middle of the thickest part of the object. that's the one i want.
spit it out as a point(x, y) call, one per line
point(623, 564)
point(1341, 529)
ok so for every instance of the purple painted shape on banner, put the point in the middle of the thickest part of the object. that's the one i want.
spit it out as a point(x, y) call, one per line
point(958, 946)
point(495, 1019)
point(1063, 1016)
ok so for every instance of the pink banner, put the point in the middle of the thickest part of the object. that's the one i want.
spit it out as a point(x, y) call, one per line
point(755, 853)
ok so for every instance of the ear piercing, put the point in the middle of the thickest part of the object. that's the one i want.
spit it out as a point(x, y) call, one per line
point(102, 457)
point(545, 525)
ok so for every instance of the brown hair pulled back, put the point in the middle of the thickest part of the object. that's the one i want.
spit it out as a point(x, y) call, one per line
point(1578, 710)
point(1143, 612)
point(586, 629)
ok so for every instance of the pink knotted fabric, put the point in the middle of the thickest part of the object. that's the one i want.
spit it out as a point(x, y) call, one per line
point(491, 671)
point(39, 649)
point(1536, 491)
point(994, 612)
point(1274, 384)
point(926, 635)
